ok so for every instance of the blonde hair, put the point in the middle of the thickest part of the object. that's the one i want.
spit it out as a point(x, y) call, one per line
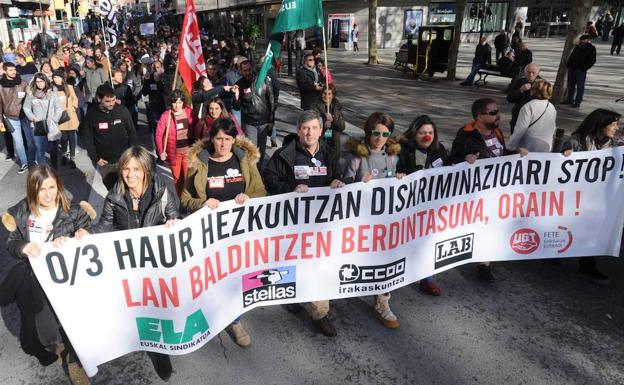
point(542, 89)
point(36, 176)
point(141, 155)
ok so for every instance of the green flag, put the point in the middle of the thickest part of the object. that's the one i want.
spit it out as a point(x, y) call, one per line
point(293, 15)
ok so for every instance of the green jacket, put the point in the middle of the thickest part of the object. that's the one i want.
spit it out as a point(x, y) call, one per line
point(194, 194)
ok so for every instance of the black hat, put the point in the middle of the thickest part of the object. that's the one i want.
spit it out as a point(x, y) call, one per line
point(59, 72)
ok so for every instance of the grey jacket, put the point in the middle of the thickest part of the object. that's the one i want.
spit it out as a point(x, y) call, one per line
point(38, 109)
point(95, 77)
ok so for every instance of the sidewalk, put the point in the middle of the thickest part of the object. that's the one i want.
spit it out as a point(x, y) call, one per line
point(363, 89)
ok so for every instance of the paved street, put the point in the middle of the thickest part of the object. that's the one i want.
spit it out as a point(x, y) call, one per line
point(537, 324)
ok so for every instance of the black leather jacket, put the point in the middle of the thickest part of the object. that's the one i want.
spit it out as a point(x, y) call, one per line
point(154, 208)
point(257, 108)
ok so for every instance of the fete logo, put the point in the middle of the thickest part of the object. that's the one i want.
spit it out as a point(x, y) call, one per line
point(269, 284)
point(453, 250)
point(560, 239)
point(371, 278)
point(524, 241)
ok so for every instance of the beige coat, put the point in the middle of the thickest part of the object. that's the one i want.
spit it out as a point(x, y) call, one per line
point(69, 104)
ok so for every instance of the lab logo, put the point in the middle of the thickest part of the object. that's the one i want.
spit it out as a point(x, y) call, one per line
point(269, 284)
point(453, 250)
point(524, 241)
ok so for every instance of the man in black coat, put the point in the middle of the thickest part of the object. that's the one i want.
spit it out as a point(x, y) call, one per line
point(310, 82)
point(501, 42)
point(520, 91)
point(524, 58)
point(618, 37)
point(305, 161)
point(482, 57)
point(583, 58)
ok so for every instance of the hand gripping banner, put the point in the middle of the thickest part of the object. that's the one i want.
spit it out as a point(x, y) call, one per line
point(172, 290)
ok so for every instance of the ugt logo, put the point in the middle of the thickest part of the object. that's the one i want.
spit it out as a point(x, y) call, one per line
point(524, 241)
point(270, 284)
point(453, 250)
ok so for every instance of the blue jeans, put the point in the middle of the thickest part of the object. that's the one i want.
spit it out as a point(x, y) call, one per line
point(43, 145)
point(473, 73)
point(576, 81)
point(18, 140)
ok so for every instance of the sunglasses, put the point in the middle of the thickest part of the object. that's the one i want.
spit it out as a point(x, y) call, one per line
point(491, 113)
point(385, 134)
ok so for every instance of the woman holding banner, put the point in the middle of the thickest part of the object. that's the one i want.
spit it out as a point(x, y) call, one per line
point(375, 157)
point(46, 214)
point(596, 132)
point(140, 199)
point(421, 149)
point(223, 167)
point(176, 123)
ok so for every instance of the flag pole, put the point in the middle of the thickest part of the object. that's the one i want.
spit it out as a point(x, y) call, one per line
point(110, 70)
point(326, 63)
point(175, 82)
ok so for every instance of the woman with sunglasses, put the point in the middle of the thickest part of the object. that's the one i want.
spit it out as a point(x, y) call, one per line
point(421, 149)
point(375, 157)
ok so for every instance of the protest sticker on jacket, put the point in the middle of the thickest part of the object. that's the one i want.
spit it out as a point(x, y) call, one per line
point(172, 290)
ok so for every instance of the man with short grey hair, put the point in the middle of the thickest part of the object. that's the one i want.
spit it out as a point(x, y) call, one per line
point(520, 91)
point(303, 162)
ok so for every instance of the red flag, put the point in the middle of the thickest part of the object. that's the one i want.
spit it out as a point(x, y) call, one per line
point(190, 56)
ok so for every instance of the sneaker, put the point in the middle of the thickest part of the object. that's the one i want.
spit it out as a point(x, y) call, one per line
point(273, 143)
point(485, 273)
point(293, 308)
point(239, 334)
point(325, 326)
point(596, 277)
point(384, 313)
point(9, 159)
point(575, 105)
point(22, 169)
point(428, 287)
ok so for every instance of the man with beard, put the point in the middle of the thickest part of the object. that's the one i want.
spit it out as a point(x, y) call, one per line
point(480, 139)
point(310, 81)
point(519, 91)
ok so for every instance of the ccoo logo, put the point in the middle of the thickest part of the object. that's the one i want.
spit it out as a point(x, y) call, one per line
point(524, 241)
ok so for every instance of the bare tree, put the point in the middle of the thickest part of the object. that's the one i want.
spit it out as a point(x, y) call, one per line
point(578, 21)
point(460, 5)
point(372, 32)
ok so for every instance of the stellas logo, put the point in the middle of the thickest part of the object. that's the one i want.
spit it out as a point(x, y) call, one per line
point(271, 284)
point(524, 241)
point(370, 278)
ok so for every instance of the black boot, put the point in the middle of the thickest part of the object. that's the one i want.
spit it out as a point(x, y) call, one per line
point(162, 365)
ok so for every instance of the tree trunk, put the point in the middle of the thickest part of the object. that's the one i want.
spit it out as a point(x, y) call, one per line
point(578, 20)
point(372, 32)
point(454, 50)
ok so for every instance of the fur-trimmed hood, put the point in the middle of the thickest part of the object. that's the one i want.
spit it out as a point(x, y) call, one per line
point(242, 148)
point(9, 222)
point(360, 149)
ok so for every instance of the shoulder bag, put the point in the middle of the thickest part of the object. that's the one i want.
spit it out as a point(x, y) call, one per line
point(41, 127)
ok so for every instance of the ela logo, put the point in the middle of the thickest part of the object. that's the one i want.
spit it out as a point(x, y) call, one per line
point(271, 284)
point(524, 241)
point(453, 250)
point(157, 330)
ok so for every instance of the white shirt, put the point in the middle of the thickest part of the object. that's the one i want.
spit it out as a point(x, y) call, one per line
point(39, 228)
point(539, 137)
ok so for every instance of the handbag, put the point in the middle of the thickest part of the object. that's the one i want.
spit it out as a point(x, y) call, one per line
point(7, 124)
point(65, 116)
point(41, 127)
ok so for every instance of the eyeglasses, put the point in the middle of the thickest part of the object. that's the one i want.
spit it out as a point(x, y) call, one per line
point(376, 133)
point(491, 113)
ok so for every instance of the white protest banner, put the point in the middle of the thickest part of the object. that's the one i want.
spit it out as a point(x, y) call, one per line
point(146, 29)
point(172, 290)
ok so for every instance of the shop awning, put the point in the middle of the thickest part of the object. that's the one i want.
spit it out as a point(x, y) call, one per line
point(43, 2)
